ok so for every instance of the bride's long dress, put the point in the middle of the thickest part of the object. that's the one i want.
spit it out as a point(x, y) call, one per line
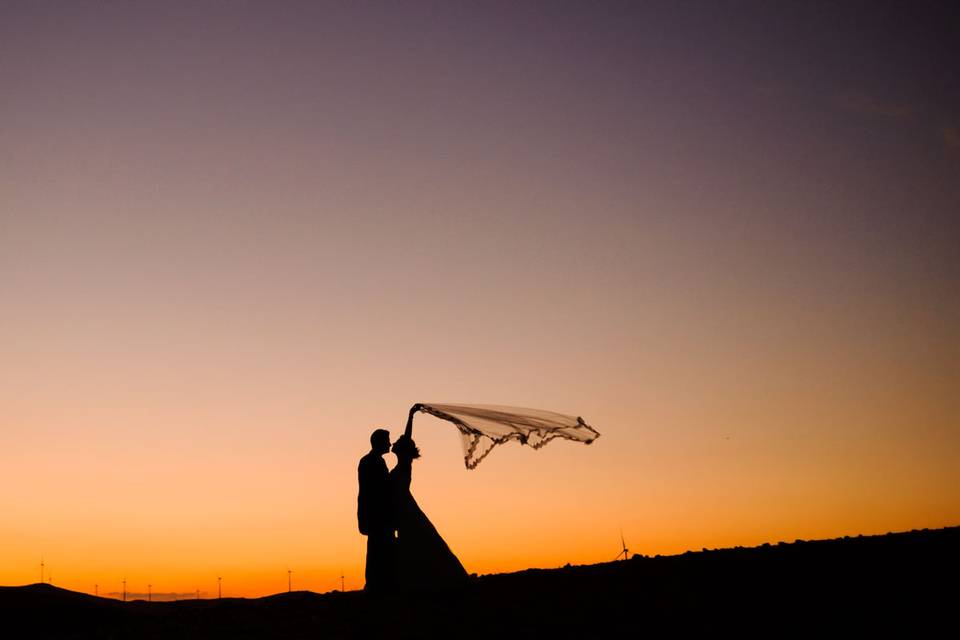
point(423, 559)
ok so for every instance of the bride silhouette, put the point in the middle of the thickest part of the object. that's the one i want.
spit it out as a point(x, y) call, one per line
point(423, 559)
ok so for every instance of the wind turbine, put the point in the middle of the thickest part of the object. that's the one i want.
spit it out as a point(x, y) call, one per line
point(625, 552)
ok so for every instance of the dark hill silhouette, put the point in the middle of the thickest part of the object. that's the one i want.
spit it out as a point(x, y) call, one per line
point(896, 582)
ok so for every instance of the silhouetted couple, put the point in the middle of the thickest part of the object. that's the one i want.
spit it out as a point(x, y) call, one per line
point(404, 549)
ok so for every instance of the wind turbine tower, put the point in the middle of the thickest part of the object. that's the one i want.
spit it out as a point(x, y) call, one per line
point(624, 552)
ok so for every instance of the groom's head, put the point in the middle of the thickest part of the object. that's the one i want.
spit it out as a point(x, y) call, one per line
point(380, 441)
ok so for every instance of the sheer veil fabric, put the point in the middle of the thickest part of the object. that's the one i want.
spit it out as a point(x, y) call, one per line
point(483, 427)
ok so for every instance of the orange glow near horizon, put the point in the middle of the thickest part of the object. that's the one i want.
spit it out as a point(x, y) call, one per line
point(236, 239)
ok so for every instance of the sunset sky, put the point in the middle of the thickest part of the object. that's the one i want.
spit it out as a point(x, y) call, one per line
point(236, 237)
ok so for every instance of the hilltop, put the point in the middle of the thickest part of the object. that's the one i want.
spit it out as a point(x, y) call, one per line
point(899, 581)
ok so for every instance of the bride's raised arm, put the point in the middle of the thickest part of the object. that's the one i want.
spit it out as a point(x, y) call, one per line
point(408, 432)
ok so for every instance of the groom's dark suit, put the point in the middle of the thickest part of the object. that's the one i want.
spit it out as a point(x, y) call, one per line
point(375, 519)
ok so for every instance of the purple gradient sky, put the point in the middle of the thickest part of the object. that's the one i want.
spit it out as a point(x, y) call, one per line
point(235, 236)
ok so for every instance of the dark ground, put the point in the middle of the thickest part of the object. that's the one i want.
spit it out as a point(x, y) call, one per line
point(903, 583)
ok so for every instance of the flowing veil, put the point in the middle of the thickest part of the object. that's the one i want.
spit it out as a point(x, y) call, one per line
point(482, 427)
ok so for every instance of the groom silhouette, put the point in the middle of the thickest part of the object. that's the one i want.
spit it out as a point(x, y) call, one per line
point(375, 514)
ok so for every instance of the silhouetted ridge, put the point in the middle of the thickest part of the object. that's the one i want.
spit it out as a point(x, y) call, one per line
point(857, 585)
